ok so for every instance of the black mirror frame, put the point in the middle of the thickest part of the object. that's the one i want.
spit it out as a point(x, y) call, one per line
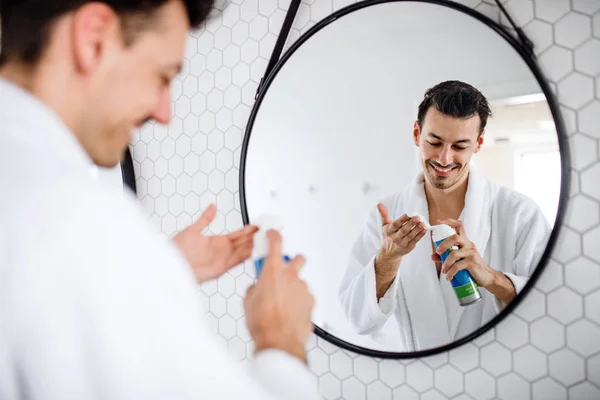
point(524, 47)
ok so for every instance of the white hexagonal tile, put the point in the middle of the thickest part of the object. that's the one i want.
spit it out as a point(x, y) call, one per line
point(487, 337)
point(236, 349)
point(266, 45)
point(582, 275)
point(235, 306)
point(227, 327)
point(198, 104)
point(248, 10)
point(572, 30)
point(153, 150)
point(587, 56)
point(551, 11)
point(161, 205)
point(168, 148)
point(176, 204)
point(353, 389)
point(216, 181)
point(276, 20)
point(391, 372)
point(232, 180)
point(183, 147)
point(224, 119)
point(532, 307)
point(512, 332)
point(568, 245)
point(565, 305)
point(223, 78)
point(495, 359)
point(589, 181)
point(214, 101)
point(592, 307)
point(480, 385)
point(226, 285)
point(259, 27)
point(199, 143)
point(302, 16)
point(257, 68)
point(433, 395)
point(239, 33)
point(419, 376)
point(584, 391)
point(436, 361)
point(233, 220)
point(207, 162)
point(176, 166)
point(248, 93)
point(593, 369)
point(576, 90)
point(215, 141)
point(213, 323)
point(214, 60)
point(590, 244)
point(547, 334)
point(190, 125)
point(168, 185)
point(556, 62)
point(242, 330)
point(267, 7)
point(530, 363)
point(231, 56)
point(377, 390)
point(584, 151)
point(448, 380)
point(218, 304)
point(540, 33)
point(330, 387)
point(154, 187)
point(209, 287)
point(206, 83)
point(183, 221)
point(465, 358)
point(222, 38)
point(147, 169)
point(205, 42)
point(512, 386)
point(225, 201)
point(340, 365)
point(586, 6)
point(365, 369)
point(548, 388)
point(598, 87)
point(582, 338)
point(318, 361)
point(596, 26)
point(190, 86)
point(197, 65)
point(520, 11)
point(320, 10)
point(182, 107)
point(232, 97)
point(199, 183)
point(566, 367)
point(551, 278)
point(241, 74)
point(191, 203)
point(575, 180)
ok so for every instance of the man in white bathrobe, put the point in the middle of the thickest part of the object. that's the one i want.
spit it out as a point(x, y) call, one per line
point(394, 271)
point(94, 304)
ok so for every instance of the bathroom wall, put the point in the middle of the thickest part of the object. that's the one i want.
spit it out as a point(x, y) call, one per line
point(548, 349)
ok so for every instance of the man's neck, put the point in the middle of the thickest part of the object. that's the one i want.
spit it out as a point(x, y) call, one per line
point(446, 203)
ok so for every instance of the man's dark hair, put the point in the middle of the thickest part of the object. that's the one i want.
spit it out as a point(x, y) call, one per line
point(455, 99)
point(25, 25)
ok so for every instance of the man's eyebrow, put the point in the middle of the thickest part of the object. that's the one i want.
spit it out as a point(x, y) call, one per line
point(458, 141)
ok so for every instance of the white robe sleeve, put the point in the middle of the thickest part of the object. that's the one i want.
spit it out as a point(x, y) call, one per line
point(105, 309)
point(358, 293)
point(532, 234)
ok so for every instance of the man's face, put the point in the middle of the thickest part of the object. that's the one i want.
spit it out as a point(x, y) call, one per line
point(132, 85)
point(447, 145)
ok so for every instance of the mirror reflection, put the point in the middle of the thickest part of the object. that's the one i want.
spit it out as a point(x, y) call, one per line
point(417, 168)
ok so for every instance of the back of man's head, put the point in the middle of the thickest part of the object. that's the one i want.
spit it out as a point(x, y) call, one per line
point(26, 24)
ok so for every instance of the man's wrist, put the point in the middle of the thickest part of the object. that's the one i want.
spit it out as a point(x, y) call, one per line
point(502, 287)
point(295, 349)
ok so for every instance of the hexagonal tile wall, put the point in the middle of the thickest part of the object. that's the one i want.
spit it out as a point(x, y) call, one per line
point(547, 349)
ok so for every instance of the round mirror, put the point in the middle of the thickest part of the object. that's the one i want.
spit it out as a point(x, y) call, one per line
point(382, 139)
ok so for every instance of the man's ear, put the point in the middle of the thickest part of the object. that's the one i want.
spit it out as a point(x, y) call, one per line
point(95, 26)
point(416, 133)
point(480, 141)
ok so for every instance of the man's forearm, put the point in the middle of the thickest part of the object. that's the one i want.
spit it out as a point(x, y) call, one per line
point(385, 272)
point(502, 287)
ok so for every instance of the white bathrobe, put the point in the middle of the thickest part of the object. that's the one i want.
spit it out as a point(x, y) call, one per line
point(509, 231)
point(94, 304)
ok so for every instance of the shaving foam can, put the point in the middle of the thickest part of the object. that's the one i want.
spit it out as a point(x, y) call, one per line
point(465, 287)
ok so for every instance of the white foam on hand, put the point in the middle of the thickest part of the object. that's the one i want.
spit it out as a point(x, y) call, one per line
point(422, 218)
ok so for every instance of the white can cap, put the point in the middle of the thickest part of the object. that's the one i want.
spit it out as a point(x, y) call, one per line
point(441, 232)
point(264, 223)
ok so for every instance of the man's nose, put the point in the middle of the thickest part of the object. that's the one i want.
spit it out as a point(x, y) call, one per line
point(445, 156)
point(162, 112)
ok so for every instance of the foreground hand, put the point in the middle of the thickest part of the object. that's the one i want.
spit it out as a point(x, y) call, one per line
point(279, 306)
point(400, 236)
point(211, 256)
point(466, 257)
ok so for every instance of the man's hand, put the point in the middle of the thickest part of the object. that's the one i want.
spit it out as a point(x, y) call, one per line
point(279, 306)
point(211, 256)
point(467, 257)
point(399, 238)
